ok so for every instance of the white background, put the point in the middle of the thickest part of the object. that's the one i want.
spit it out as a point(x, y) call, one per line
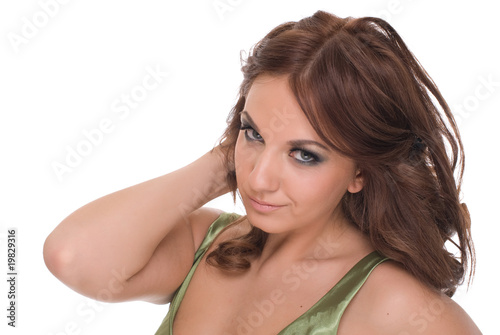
point(64, 79)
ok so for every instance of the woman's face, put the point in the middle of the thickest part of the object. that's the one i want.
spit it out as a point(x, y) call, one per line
point(287, 177)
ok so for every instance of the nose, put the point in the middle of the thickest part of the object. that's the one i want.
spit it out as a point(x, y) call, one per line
point(266, 173)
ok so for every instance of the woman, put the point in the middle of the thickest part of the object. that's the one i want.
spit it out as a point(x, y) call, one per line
point(340, 158)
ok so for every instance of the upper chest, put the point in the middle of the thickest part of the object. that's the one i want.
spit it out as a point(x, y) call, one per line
point(259, 303)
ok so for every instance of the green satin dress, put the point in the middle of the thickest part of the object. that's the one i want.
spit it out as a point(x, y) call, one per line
point(322, 318)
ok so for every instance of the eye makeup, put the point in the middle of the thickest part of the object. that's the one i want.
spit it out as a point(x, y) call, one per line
point(251, 134)
point(247, 122)
point(298, 151)
point(305, 157)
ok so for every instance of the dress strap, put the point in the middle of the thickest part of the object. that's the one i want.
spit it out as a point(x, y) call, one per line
point(215, 228)
point(213, 231)
point(324, 316)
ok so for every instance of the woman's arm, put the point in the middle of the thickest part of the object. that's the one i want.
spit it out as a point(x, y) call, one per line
point(138, 243)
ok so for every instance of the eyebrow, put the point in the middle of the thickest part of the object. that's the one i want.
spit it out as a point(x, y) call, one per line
point(249, 120)
point(292, 143)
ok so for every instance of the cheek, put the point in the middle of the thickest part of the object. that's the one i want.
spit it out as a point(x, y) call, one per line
point(242, 158)
point(238, 154)
point(320, 191)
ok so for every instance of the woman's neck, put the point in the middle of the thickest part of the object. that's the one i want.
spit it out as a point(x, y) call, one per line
point(320, 241)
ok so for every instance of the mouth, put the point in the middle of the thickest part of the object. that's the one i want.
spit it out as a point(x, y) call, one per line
point(262, 206)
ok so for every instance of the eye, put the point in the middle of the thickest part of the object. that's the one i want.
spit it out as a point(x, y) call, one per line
point(305, 157)
point(251, 134)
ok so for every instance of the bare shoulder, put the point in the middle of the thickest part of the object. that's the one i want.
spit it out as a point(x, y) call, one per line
point(394, 302)
point(199, 222)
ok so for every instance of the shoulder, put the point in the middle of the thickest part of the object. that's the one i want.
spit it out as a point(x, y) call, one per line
point(200, 221)
point(394, 302)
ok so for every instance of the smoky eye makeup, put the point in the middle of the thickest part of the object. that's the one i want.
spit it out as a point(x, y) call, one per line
point(298, 148)
point(247, 125)
point(251, 135)
point(305, 157)
point(246, 120)
point(303, 152)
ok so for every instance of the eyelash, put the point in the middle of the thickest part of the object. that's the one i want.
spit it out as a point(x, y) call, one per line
point(246, 128)
point(315, 159)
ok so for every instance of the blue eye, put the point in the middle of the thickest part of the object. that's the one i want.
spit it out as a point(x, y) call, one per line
point(250, 133)
point(305, 157)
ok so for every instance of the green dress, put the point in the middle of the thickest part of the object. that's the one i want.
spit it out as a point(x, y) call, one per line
point(322, 318)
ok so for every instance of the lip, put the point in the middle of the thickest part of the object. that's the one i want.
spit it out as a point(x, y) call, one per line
point(262, 206)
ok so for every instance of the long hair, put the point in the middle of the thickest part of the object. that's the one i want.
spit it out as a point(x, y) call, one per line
point(368, 98)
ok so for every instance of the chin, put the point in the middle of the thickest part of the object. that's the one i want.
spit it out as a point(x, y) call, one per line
point(268, 223)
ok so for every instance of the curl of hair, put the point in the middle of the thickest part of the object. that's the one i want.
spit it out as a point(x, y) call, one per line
point(367, 97)
point(235, 254)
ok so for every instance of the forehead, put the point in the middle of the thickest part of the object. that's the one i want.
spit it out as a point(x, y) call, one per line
point(272, 91)
point(273, 107)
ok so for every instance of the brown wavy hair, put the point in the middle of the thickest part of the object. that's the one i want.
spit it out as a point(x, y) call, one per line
point(367, 97)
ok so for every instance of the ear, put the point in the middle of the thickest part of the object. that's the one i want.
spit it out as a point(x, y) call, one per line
point(356, 183)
